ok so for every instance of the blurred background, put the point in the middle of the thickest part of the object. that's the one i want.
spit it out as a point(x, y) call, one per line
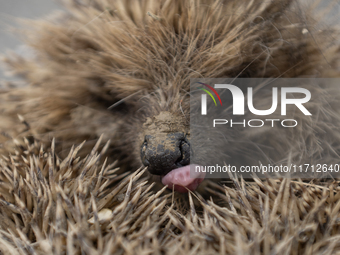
point(33, 9)
point(12, 9)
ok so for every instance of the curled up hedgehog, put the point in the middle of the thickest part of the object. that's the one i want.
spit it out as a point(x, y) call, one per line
point(119, 71)
point(123, 69)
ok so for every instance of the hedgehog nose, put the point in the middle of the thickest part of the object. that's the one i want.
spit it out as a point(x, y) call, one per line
point(165, 152)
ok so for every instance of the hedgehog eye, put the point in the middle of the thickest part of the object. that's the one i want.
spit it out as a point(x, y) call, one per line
point(121, 107)
point(121, 104)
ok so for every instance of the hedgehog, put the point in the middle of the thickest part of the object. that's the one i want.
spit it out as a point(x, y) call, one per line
point(108, 81)
point(122, 69)
point(78, 205)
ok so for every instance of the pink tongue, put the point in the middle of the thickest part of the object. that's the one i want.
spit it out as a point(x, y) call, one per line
point(180, 179)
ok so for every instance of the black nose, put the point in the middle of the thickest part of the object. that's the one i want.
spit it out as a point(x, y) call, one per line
point(162, 153)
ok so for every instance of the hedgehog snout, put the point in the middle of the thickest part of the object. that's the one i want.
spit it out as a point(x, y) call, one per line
point(163, 153)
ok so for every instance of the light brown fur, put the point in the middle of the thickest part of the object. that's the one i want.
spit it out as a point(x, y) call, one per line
point(102, 52)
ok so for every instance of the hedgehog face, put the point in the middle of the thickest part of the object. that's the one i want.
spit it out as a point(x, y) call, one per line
point(160, 136)
point(155, 131)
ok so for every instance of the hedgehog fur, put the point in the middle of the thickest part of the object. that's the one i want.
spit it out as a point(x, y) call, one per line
point(111, 53)
point(105, 69)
